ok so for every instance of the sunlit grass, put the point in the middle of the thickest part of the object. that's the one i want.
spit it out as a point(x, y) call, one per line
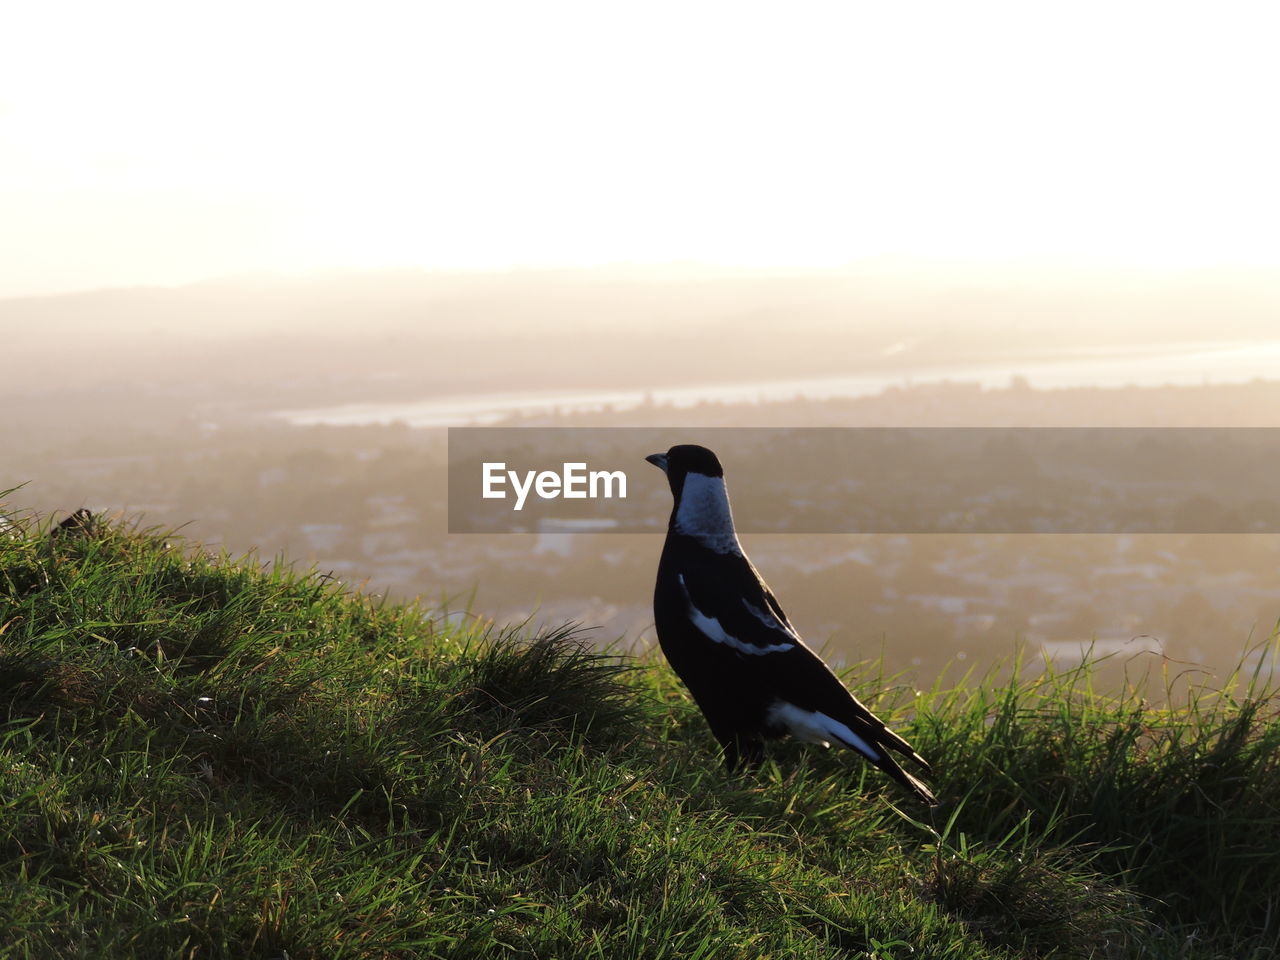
point(208, 758)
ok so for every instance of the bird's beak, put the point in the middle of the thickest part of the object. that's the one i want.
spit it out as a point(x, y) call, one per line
point(659, 460)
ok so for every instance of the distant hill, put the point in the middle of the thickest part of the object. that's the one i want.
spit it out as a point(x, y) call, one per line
point(639, 326)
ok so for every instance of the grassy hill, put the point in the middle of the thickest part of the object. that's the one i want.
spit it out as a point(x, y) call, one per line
point(208, 758)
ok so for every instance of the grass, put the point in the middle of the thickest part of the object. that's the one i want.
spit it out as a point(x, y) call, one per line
point(208, 758)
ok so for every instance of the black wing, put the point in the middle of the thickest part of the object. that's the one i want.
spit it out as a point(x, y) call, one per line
point(730, 604)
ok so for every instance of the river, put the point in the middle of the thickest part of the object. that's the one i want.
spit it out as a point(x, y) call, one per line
point(1178, 364)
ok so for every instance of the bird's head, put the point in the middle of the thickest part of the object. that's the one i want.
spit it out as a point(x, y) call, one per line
point(684, 459)
point(701, 507)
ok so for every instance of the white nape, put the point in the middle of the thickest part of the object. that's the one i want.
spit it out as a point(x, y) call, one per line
point(704, 514)
point(813, 726)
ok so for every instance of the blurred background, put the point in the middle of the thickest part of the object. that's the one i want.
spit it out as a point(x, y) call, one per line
point(255, 260)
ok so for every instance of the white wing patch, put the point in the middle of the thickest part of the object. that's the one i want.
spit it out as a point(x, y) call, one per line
point(766, 617)
point(710, 628)
point(813, 726)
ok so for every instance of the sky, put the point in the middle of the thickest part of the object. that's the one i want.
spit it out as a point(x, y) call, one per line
point(167, 143)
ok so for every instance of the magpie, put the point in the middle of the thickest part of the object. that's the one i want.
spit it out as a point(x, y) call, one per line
point(725, 635)
point(82, 523)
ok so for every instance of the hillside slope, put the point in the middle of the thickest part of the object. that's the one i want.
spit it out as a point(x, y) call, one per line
point(208, 758)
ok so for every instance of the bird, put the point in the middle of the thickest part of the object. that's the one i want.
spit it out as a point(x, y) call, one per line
point(82, 523)
point(728, 639)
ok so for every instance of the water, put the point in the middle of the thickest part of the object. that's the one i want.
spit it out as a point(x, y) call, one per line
point(1179, 365)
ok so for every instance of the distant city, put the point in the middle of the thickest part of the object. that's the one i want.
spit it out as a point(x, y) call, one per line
point(367, 504)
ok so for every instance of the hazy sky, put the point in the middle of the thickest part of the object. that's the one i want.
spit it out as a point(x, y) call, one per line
point(167, 142)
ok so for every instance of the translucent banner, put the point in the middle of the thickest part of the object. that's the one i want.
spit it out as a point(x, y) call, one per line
point(875, 480)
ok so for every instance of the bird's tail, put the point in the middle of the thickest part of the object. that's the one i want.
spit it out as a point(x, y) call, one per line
point(890, 739)
point(872, 746)
point(890, 766)
point(883, 737)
